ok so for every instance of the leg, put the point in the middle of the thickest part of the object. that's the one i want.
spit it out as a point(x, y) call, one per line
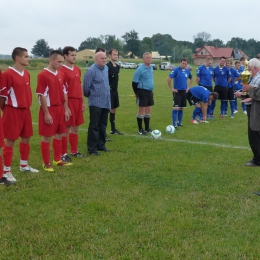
point(147, 115)
point(102, 129)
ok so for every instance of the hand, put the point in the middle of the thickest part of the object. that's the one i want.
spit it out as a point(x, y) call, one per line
point(83, 107)
point(48, 119)
point(175, 90)
point(247, 100)
point(238, 94)
point(246, 88)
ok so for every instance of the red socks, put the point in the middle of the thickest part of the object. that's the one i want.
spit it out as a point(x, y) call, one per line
point(73, 142)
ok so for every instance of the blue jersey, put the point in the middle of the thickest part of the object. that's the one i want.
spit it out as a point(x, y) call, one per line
point(234, 74)
point(144, 77)
point(238, 85)
point(242, 68)
point(205, 74)
point(221, 76)
point(180, 77)
point(200, 93)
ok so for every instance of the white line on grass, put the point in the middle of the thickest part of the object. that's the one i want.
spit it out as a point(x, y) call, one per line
point(183, 141)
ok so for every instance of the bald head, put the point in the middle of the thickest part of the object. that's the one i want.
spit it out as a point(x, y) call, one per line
point(100, 59)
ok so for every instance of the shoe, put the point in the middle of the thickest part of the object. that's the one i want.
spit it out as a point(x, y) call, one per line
point(204, 121)
point(180, 125)
point(4, 181)
point(232, 115)
point(251, 164)
point(149, 130)
point(9, 176)
point(235, 111)
point(225, 114)
point(62, 163)
point(28, 168)
point(108, 139)
point(47, 167)
point(94, 153)
point(193, 121)
point(77, 154)
point(142, 132)
point(116, 132)
point(222, 116)
point(245, 112)
point(210, 117)
point(65, 158)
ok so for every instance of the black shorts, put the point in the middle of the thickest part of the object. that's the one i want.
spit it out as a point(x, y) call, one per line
point(208, 88)
point(114, 99)
point(191, 99)
point(222, 92)
point(144, 98)
point(231, 95)
point(179, 99)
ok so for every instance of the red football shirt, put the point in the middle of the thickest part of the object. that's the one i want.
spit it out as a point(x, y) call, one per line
point(51, 85)
point(72, 79)
point(16, 88)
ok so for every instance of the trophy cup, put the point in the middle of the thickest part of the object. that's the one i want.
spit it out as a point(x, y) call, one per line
point(245, 76)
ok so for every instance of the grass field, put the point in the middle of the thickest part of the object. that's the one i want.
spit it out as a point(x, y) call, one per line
point(186, 196)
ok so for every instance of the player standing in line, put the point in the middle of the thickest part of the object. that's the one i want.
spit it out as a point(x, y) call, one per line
point(238, 87)
point(113, 76)
point(200, 97)
point(72, 80)
point(221, 77)
point(234, 77)
point(143, 85)
point(17, 120)
point(204, 77)
point(179, 89)
point(54, 111)
point(3, 180)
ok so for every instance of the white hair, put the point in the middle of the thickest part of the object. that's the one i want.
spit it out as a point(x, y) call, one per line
point(254, 63)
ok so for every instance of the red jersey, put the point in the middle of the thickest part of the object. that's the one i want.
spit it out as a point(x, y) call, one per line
point(51, 85)
point(16, 88)
point(72, 80)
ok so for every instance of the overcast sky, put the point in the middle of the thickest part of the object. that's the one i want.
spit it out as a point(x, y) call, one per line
point(66, 22)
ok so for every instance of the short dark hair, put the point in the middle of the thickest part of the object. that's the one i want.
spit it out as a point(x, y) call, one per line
point(111, 50)
point(237, 62)
point(242, 58)
point(100, 49)
point(184, 59)
point(215, 95)
point(18, 51)
point(54, 54)
point(222, 57)
point(67, 49)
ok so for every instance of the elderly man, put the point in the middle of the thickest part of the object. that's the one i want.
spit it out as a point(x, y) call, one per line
point(96, 89)
point(253, 111)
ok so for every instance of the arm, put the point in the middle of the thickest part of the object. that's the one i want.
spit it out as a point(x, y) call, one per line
point(204, 107)
point(169, 82)
point(134, 86)
point(88, 77)
point(66, 107)
point(254, 93)
point(47, 117)
point(2, 103)
point(190, 83)
point(198, 80)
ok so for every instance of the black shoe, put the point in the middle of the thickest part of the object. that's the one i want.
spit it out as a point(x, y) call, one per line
point(65, 158)
point(142, 132)
point(77, 154)
point(94, 153)
point(176, 127)
point(148, 130)
point(108, 139)
point(180, 125)
point(4, 181)
point(104, 150)
point(251, 164)
point(116, 132)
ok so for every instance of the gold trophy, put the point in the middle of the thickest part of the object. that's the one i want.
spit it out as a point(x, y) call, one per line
point(245, 76)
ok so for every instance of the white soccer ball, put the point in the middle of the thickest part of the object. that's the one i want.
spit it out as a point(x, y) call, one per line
point(170, 129)
point(156, 134)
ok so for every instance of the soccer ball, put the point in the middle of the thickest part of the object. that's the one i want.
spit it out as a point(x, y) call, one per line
point(170, 129)
point(156, 134)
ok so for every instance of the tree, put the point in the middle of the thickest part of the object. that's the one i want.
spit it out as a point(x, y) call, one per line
point(187, 54)
point(132, 42)
point(203, 35)
point(216, 42)
point(41, 49)
point(91, 43)
point(198, 43)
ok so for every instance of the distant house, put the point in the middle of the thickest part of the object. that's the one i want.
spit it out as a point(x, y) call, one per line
point(216, 52)
point(156, 55)
point(85, 54)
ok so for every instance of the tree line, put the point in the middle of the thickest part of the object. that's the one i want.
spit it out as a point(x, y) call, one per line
point(130, 44)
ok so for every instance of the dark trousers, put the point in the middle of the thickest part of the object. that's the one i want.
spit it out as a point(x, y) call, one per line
point(254, 139)
point(97, 128)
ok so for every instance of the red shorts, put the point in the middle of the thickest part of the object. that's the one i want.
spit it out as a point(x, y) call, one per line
point(17, 122)
point(58, 126)
point(1, 134)
point(75, 106)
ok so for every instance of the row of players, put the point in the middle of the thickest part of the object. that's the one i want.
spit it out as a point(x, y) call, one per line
point(227, 81)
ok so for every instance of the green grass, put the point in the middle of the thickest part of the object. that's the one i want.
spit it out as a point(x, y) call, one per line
point(186, 196)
